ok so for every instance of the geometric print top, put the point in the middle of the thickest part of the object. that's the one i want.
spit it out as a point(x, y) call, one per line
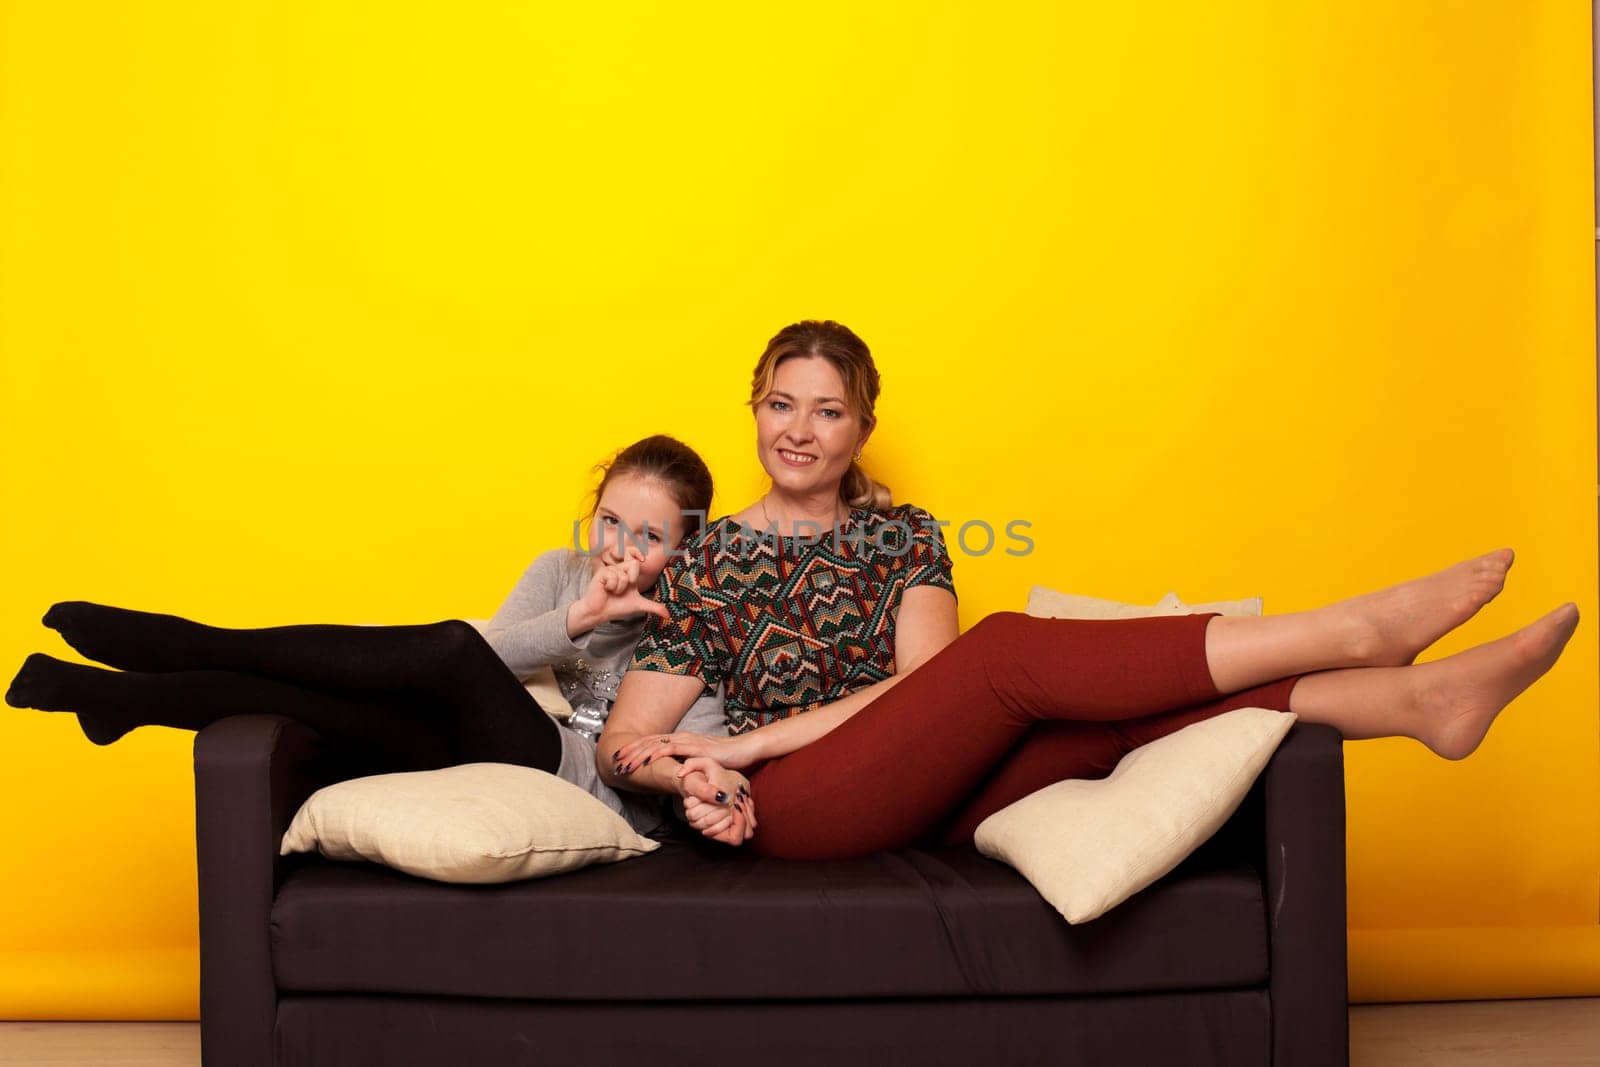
point(790, 623)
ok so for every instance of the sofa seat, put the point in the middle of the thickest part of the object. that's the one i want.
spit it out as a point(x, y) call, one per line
point(694, 922)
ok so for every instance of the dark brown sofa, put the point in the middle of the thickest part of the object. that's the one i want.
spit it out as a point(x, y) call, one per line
point(701, 954)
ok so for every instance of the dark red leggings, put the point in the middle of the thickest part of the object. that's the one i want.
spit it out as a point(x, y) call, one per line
point(1012, 705)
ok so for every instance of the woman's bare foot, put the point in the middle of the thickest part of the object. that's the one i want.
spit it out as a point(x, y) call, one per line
point(1457, 698)
point(1390, 627)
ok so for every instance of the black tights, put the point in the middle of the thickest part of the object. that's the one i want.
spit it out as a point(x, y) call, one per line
point(400, 697)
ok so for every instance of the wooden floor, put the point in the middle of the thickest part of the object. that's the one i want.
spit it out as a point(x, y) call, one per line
point(1524, 1033)
point(1480, 1033)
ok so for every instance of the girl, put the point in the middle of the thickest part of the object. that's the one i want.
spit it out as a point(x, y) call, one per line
point(421, 696)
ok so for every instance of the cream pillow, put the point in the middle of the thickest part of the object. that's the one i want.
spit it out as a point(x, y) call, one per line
point(1089, 844)
point(1050, 604)
point(476, 822)
point(1248, 606)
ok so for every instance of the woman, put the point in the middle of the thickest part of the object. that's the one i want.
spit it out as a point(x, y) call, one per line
point(416, 697)
point(861, 721)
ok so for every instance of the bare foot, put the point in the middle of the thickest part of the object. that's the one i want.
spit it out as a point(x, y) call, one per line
point(1391, 626)
point(1457, 698)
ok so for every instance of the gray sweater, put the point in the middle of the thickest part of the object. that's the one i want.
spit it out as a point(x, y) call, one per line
point(530, 631)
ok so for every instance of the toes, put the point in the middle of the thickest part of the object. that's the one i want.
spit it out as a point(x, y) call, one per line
point(1569, 620)
point(1565, 613)
point(1494, 565)
point(27, 689)
point(1546, 637)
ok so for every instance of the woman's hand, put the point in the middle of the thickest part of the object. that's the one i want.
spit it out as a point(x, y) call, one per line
point(611, 595)
point(730, 819)
point(741, 750)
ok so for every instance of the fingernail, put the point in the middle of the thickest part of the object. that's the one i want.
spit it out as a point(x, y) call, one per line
point(616, 756)
point(722, 798)
point(646, 762)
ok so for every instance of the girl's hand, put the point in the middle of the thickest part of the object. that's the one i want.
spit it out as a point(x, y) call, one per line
point(741, 750)
point(731, 820)
point(612, 593)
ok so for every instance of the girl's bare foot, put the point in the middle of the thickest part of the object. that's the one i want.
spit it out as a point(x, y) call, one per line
point(1390, 627)
point(1457, 698)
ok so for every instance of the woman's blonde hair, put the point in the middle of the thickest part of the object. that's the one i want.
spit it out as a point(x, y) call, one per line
point(849, 356)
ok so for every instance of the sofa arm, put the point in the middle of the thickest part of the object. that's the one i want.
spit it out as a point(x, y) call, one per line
point(1304, 824)
point(251, 774)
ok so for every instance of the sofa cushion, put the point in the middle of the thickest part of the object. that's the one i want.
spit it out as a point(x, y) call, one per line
point(474, 822)
point(1088, 845)
point(694, 920)
point(1053, 604)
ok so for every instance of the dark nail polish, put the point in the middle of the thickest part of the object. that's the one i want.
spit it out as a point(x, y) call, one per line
point(646, 762)
point(616, 756)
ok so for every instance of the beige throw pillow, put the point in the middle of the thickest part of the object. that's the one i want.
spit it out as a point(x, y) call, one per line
point(477, 822)
point(1089, 844)
point(1051, 604)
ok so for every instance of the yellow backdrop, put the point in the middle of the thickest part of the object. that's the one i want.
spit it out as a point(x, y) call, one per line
point(321, 312)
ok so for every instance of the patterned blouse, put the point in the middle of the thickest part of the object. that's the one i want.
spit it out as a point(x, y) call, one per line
point(790, 623)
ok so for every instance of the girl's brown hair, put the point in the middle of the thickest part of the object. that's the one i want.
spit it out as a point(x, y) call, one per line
point(849, 356)
point(670, 462)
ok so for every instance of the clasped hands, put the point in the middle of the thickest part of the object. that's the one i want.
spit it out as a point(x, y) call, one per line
point(716, 797)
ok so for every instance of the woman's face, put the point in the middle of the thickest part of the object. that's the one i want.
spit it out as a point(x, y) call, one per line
point(644, 507)
point(806, 432)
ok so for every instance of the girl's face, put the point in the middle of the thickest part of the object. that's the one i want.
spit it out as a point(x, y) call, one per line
point(806, 432)
point(638, 513)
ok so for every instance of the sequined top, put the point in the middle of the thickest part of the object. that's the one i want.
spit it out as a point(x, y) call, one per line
point(787, 624)
point(529, 632)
